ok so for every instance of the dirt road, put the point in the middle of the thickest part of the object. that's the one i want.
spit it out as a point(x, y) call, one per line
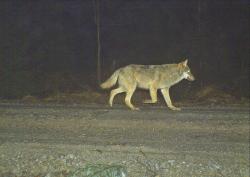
point(56, 140)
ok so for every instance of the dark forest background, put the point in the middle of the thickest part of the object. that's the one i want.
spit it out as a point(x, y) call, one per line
point(49, 46)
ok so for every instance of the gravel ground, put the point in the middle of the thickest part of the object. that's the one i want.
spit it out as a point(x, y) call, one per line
point(59, 140)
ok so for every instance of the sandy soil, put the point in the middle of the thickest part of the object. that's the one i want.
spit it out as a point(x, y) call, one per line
point(58, 140)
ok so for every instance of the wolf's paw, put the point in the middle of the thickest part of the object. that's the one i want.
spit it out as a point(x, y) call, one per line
point(175, 108)
point(135, 109)
point(149, 101)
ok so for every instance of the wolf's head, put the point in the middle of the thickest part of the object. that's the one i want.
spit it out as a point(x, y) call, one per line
point(185, 71)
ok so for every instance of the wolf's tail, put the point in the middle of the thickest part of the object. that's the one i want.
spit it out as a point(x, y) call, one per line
point(111, 81)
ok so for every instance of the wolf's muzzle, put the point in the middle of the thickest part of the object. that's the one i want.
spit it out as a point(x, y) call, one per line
point(190, 77)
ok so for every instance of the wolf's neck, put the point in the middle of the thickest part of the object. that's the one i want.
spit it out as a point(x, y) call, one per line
point(176, 77)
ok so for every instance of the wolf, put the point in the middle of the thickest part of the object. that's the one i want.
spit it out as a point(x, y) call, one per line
point(149, 77)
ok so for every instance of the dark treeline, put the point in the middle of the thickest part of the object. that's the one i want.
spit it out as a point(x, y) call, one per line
point(50, 45)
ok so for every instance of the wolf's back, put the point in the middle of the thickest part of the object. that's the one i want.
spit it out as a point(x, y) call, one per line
point(111, 81)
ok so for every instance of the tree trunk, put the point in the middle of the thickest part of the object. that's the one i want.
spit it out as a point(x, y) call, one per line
point(97, 21)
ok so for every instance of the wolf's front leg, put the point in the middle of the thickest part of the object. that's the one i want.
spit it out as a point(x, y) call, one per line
point(153, 95)
point(165, 93)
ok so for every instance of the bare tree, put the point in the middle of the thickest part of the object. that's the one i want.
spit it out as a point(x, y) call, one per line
point(97, 22)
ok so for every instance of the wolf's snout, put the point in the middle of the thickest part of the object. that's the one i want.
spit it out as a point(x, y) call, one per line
point(191, 78)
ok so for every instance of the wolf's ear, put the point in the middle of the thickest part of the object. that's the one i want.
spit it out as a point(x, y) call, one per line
point(185, 62)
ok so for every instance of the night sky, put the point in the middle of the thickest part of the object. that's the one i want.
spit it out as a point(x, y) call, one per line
point(45, 39)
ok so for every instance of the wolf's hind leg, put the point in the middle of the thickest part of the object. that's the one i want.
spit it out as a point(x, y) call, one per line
point(129, 94)
point(113, 93)
point(165, 93)
point(153, 95)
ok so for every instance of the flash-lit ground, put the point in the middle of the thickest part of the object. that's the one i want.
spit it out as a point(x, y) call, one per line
point(56, 140)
